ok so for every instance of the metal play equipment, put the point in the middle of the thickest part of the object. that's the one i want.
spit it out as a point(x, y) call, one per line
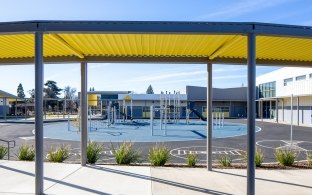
point(218, 119)
point(223, 35)
point(125, 108)
point(103, 121)
point(169, 110)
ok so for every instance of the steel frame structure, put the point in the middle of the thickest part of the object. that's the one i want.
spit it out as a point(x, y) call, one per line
point(250, 30)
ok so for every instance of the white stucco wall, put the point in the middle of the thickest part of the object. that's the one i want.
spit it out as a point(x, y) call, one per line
point(302, 87)
point(305, 110)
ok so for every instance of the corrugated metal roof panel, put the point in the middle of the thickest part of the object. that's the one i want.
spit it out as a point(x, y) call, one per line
point(145, 44)
point(17, 46)
point(157, 45)
point(284, 48)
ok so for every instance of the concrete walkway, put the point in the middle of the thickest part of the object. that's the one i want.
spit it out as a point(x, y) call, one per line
point(18, 178)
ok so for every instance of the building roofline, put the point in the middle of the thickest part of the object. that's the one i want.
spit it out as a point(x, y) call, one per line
point(155, 27)
point(8, 95)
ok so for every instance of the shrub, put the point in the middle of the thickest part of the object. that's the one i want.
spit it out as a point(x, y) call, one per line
point(59, 154)
point(285, 157)
point(225, 160)
point(159, 155)
point(93, 152)
point(191, 159)
point(26, 152)
point(3, 151)
point(259, 157)
point(125, 154)
point(309, 159)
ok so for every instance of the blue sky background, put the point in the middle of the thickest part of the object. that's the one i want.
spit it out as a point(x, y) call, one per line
point(137, 77)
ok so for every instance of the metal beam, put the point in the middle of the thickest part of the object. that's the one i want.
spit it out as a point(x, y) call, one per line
point(251, 109)
point(150, 27)
point(39, 111)
point(281, 30)
point(209, 117)
point(154, 59)
point(84, 113)
point(109, 59)
point(18, 27)
point(262, 62)
point(155, 27)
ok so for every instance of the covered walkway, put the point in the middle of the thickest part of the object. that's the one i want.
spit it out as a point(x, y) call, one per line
point(143, 42)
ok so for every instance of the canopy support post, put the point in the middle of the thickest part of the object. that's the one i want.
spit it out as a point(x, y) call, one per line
point(84, 113)
point(251, 119)
point(39, 112)
point(209, 116)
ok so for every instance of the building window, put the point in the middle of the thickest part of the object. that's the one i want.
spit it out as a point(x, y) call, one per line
point(267, 90)
point(221, 109)
point(287, 81)
point(302, 77)
point(146, 108)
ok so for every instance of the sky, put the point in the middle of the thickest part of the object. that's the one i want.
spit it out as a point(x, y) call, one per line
point(137, 77)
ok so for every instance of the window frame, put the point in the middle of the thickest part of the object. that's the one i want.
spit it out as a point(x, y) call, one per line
point(301, 77)
point(288, 80)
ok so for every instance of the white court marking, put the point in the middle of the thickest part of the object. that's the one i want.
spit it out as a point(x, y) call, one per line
point(104, 152)
point(285, 144)
point(28, 138)
point(236, 154)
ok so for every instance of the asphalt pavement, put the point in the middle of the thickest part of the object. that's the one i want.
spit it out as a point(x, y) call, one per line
point(271, 137)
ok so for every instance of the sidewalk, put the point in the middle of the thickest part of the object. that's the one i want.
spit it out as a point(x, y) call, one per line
point(18, 178)
point(282, 122)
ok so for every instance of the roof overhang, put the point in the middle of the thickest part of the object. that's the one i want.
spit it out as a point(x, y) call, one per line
point(150, 42)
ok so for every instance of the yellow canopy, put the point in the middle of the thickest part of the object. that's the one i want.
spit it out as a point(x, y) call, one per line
point(154, 46)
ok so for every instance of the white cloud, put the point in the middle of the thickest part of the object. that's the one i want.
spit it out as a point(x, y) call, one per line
point(153, 77)
point(187, 81)
point(98, 65)
point(229, 77)
point(238, 9)
point(227, 68)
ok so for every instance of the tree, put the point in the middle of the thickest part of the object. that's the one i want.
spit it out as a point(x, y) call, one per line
point(70, 98)
point(20, 91)
point(51, 91)
point(150, 90)
point(32, 95)
point(69, 92)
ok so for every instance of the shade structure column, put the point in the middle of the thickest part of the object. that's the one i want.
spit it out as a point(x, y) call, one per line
point(276, 109)
point(261, 110)
point(39, 112)
point(4, 108)
point(84, 113)
point(251, 116)
point(209, 116)
point(298, 114)
point(282, 109)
